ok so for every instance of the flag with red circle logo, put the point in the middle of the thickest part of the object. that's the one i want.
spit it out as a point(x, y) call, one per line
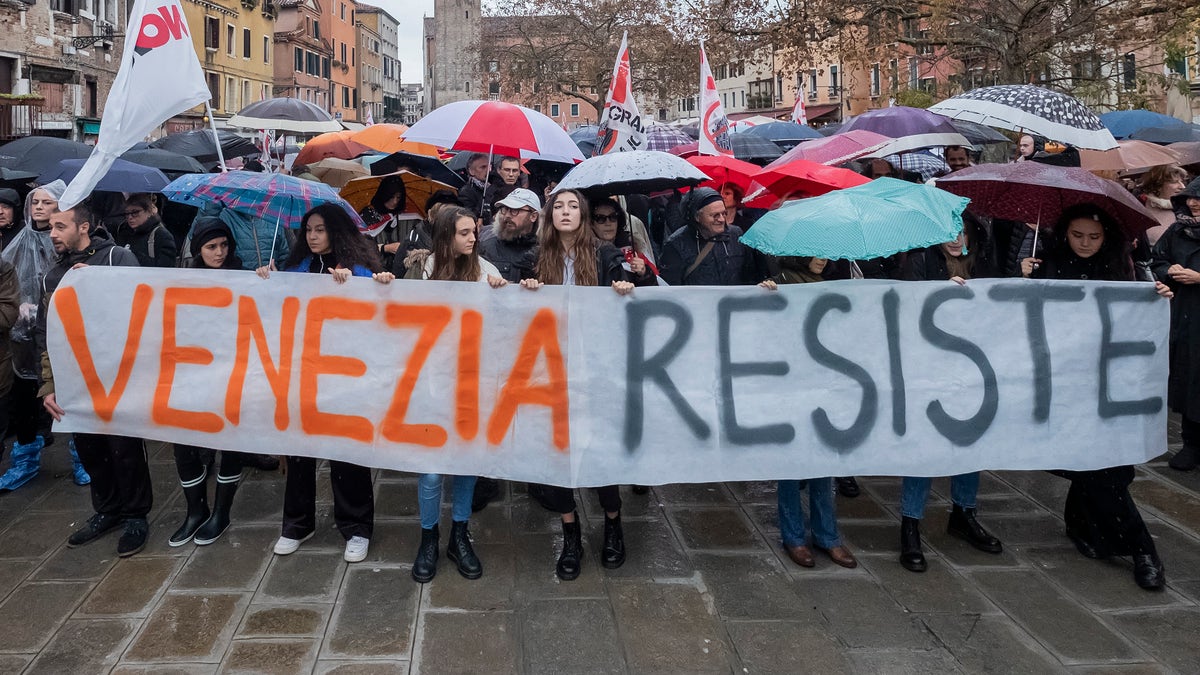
point(714, 125)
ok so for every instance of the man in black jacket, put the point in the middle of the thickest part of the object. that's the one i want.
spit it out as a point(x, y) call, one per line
point(706, 250)
point(478, 193)
point(121, 492)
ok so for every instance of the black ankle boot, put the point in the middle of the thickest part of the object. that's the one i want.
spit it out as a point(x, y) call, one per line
point(1148, 572)
point(848, 487)
point(425, 566)
point(218, 522)
point(1186, 459)
point(459, 550)
point(964, 526)
point(911, 556)
point(612, 555)
point(571, 559)
point(197, 511)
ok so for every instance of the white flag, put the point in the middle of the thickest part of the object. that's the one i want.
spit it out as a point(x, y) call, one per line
point(159, 78)
point(621, 123)
point(799, 114)
point(714, 125)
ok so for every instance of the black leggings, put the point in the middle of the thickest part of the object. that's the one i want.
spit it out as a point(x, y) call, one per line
point(562, 499)
point(190, 461)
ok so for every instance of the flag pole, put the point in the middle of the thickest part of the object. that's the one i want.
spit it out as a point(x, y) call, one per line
point(216, 140)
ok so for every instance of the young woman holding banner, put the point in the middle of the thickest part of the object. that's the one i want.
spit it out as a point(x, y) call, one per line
point(330, 244)
point(963, 258)
point(454, 258)
point(1101, 517)
point(568, 253)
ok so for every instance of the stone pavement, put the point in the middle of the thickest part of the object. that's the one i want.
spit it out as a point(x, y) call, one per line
point(706, 588)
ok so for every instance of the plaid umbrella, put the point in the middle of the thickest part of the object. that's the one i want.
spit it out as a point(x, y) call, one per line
point(270, 197)
point(662, 137)
point(923, 163)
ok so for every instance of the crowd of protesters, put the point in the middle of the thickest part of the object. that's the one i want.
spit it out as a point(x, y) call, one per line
point(509, 226)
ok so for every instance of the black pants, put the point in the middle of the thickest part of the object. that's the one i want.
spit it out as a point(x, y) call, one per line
point(1101, 511)
point(190, 461)
point(353, 498)
point(1191, 432)
point(23, 408)
point(562, 499)
point(120, 474)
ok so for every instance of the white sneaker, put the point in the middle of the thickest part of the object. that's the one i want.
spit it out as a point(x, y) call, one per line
point(356, 549)
point(288, 546)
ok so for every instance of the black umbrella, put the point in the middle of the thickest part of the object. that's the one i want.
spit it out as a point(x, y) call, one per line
point(199, 144)
point(39, 154)
point(422, 165)
point(979, 134)
point(753, 148)
point(288, 114)
point(7, 175)
point(831, 129)
point(1162, 135)
point(164, 160)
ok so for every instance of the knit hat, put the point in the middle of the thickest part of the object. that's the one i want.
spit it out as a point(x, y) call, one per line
point(9, 196)
point(697, 199)
point(208, 228)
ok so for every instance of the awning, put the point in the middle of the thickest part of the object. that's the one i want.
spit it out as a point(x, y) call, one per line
point(815, 111)
point(91, 128)
point(353, 126)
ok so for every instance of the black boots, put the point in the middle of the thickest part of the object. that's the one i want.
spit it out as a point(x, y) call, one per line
point(196, 494)
point(486, 490)
point(459, 550)
point(218, 522)
point(911, 556)
point(847, 487)
point(612, 555)
point(571, 559)
point(1148, 572)
point(425, 566)
point(1186, 459)
point(964, 526)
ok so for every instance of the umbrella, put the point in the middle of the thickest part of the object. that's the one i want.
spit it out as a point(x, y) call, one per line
point(808, 178)
point(923, 163)
point(913, 128)
point(386, 138)
point(287, 114)
point(781, 133)
point(585, 138)
point(1033, 192)
point(417, 189)
point(164, 160)
point(830, 129)
point(336, 172)
point(979, 134)
point(496, 128)
point(835, 149)
point(724, 169)
point(122, 176)
point(691, 130)
point(11, 175)
point(1122, 123)
point(1188, 152)
point(430, 167)
point(622, 173)
point(271, 197)
point(199, 144)
point(39, 154)
point(880, 218)
point(745, 147)
point(662, 137)
point(1026, 108)
point(1188, 133)
point(1128, 156)
point(333, 144)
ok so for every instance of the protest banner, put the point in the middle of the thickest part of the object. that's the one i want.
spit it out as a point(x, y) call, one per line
point(621, 127)
point(578, 386)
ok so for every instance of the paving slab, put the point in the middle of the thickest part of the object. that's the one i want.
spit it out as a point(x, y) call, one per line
point(588, 626)
point(493, 591)
point(1169, 634)
point(536, 556)
point(12, 573)
point(861, 614)
point(905, 661)
point(750, 587)
point(786, 648)
point(37, 534)
point(259, 500)
point(1171, 503)
point(667, 628)
point(84, 646)
point(396, 499)
point(652, 551)
point(291, 620)
point(165, 669)
point(34, 611)
point(700, 494)
point(991, 644)
point(374, 614)
point(361, 667)
point(131, 587)
point(271, 657)
point(304, 576)
point(1104, 585)
point(234, 562)
point(714, 529)
point(86, 563)
point(468, 643)
point(938, 589)
point(189, 627)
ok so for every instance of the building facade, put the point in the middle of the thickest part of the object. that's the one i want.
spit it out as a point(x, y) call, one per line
point(452, 52)
point(412, 102)
point(303, 54)
point(388, 81)
point(337, 21)
point(58, 59)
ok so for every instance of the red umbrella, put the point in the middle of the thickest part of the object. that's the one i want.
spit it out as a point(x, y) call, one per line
point(799, 176)
point(724, 169)
point(1032, 192)
point(496, 128)
point(835, 149)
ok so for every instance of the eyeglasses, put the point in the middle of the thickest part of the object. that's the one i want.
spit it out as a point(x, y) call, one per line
point(602, 218)
point(134, 213)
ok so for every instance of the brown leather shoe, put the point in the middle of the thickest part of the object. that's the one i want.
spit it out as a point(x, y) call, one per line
point(801, 556)
point(840, 555)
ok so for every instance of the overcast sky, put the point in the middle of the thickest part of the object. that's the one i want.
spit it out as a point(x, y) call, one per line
point(409, 14)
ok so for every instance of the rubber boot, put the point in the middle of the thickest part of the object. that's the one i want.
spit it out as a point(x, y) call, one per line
point(218, 522)
point(78, 474)
point(26, 461)
point(612, 555)
point(425, 566)
point(460, 551)
point(911, 556)
point(196, 494)
point(571, 559)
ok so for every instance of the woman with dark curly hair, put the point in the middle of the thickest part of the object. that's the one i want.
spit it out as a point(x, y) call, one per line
point(330, 243)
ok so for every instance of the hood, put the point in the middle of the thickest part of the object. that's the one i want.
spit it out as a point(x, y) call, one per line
point(208, 228)
point(1179, 201)
point(696, 199)
point(56, 190)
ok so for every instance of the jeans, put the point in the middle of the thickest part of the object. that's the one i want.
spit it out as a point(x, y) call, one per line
point(429, 498)
point(822, 513)
point(915, 492)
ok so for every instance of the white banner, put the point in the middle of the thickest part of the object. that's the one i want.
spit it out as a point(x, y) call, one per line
point(159, 77)
point(621, 126)
point(714, 125)
point(577, 386)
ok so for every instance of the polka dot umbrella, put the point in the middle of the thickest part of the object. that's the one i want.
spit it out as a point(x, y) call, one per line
point(1027, 108)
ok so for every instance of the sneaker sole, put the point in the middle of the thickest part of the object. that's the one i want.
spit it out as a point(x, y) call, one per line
point(297, 548)
point(355, 558)
point(176, 544)
point(135, 551)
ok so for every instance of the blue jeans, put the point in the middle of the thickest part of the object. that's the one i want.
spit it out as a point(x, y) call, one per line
point(823, 515)
point(915, 492)
point(429, 498)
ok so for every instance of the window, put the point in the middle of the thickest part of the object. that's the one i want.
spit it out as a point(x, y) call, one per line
point(354, 97)
point(554, 110)
point(812, 83)
point(1178, 67)
point(345, 97)
point(266, 49)
point(316, 29)
point(343, 11)
point(91, 108)
point(493, 66)
point(833, 82)
point(467, 87)
point(52, 92)
point(246, 92)
point(494, 90)
point(1129, 71)
point(214, 90)
point(229, 38)
point(914, 73)
point(875, 79)
point(212, 33)
point(894, 69)
point(344, 61)
point(929, 85)
point(325, 67)
point(574, 110)
point(299, 60)
point(246, 43)
point(231, 94)
point(353, 57)
point(537, 107)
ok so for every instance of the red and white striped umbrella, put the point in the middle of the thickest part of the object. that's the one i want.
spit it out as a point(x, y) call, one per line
point(496, 128)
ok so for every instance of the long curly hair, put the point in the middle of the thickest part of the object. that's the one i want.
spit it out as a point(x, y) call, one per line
point(446, 265)
point(350, 247)
point(552, 260)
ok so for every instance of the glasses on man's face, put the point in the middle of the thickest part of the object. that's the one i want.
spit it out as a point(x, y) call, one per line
point(605, 218)
point(134, 213)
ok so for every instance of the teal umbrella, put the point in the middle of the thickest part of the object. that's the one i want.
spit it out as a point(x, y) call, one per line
point(877, 219)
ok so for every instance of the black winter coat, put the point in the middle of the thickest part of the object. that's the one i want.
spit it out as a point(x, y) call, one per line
point(609, 266)
point(511, 257)
point(153, 243)
point(729, 263)
point(1180, 244)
